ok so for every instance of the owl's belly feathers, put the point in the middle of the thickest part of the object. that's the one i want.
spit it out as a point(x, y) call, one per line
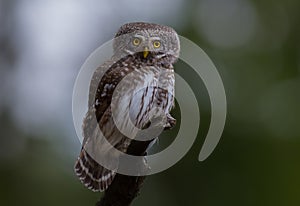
point(142, 95)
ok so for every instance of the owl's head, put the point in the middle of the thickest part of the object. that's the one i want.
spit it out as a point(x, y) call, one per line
point(148, 39)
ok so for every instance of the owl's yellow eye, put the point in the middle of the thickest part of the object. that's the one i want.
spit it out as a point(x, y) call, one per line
point(156, 44)
point(136, 41)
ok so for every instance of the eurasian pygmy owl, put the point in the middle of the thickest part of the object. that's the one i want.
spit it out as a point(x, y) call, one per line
point(146, 52)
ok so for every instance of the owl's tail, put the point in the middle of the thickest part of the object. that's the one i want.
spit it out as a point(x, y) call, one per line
point(91, 174)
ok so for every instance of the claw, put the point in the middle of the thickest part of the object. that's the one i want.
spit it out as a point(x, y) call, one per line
point(171, 122)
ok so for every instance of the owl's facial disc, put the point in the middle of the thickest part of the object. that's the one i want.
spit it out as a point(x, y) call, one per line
point(146, 44)
point(148, 40)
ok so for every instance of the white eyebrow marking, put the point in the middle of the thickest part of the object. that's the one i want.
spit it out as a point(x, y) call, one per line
point(139, 36)
point(153, 38)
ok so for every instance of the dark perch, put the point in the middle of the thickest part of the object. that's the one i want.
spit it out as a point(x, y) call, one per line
point(124, 188)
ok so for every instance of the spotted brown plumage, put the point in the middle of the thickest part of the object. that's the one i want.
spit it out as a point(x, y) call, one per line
point(145, 83)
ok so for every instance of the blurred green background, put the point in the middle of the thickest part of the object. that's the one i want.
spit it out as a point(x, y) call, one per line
point(254, 44)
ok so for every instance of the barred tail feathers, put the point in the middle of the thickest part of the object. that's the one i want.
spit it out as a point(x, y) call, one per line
point(91, 174)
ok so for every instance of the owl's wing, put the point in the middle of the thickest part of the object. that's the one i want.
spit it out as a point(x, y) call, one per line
point(102, 86)
point(94, 111)
point(103, 83)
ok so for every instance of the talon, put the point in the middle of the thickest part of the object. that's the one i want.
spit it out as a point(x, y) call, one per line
point(171, 122)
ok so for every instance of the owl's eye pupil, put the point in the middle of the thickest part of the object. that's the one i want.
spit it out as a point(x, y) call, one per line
point(136, 41)
point(156, 44)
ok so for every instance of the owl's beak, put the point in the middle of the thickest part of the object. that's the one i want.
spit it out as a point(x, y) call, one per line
point(146, 52)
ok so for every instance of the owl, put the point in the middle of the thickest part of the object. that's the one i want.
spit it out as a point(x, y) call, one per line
point(138, 80)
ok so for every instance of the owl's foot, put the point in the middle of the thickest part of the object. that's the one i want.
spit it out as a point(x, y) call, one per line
point(171, 122)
